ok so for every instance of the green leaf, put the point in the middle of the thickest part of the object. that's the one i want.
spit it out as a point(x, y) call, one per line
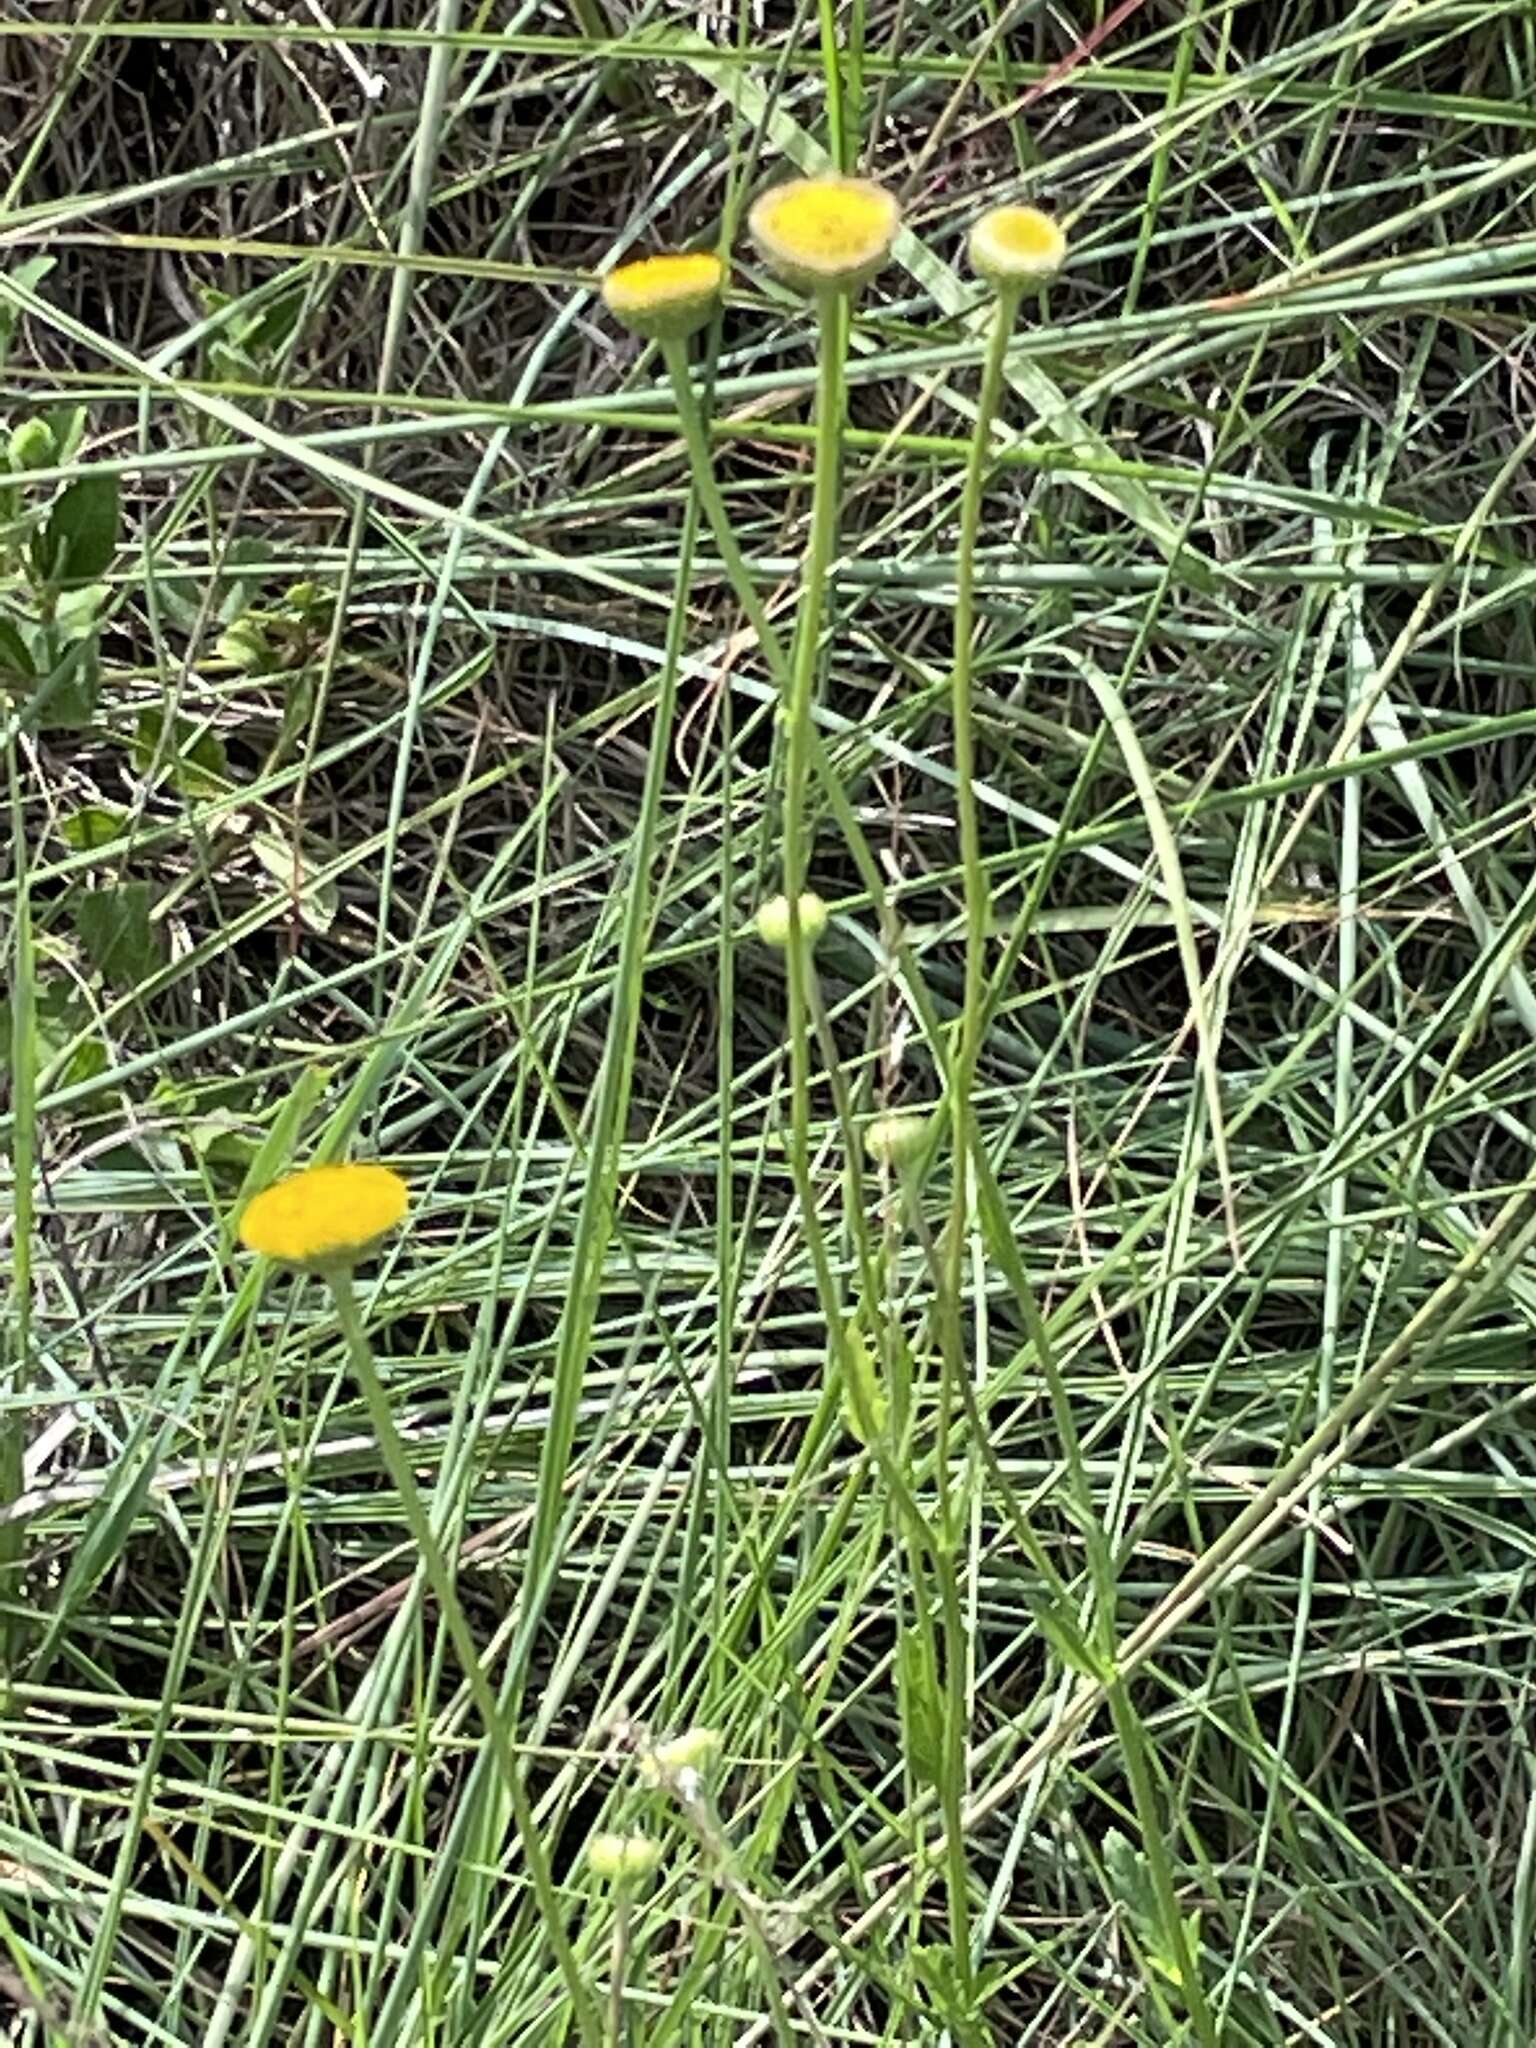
point(865, 1407)
point(91, 826)
point(116, 933)
point(194, 759)
point(68, 424)
point(59, 1018)
point(317, 899)
point(29, 276)
point(79, 610)
point(66, 699)
point(80, 539)
point(15, 657)
point(1061, 1631)
point(922, 1709)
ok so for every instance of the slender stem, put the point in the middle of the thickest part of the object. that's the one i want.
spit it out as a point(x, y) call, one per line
point(16, 1341)
point(705, 482)
point(977, 899)
point(795, 675)
point(440, 1577)
point(966, 1147)
point(826, 492)
point(953, 1366)
point(739, 575)
point(618, 1966)
point(1138, 1772)
point(796, 678)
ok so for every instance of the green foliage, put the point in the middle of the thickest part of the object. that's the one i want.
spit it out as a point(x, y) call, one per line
point(404, 708)
point(63, 1023)
point(116, 931)
point(80, 537)
point(191, 758)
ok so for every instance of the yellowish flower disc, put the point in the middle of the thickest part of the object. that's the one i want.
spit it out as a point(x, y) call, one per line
point(825, 234)
point(1017, 245)
point(666, 297)
point(324, 1216)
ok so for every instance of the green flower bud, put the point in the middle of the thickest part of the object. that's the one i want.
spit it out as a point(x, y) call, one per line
point(691, 1752)
point(772, 920)
point(623, 1858)
point(32, 445)
point(898, 1138)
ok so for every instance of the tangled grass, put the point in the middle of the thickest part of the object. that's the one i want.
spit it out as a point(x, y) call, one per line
point(342, 603)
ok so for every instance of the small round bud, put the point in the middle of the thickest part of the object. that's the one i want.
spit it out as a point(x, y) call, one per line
point(623, 1857)
point(1017, 245)
point(32, 445)
point(666, 298)
point(825, 234)
point(689, 1753)
point(772, 920)
point(303, 597)
point(898, 1138)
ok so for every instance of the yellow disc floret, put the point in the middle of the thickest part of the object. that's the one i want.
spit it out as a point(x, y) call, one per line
point(667, 297)
point(825, 234)
point(1017, 245)
point(324, 1216)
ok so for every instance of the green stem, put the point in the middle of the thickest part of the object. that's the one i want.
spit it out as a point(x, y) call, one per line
point(16, 1339)
point(739, 575)
point(977, 899)
point(618, 1966)
point(440, 1577)
point(1144, 1798)
point(799, 701)
point(701, 463)
point(965, 1139)
point(795, 676)
point(966, 1147)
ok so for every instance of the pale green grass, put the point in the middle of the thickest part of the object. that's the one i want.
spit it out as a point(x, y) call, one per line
point(466, 883)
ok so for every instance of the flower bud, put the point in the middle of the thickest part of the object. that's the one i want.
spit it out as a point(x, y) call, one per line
point(623, 1858)
point(1017, 245)
point(32, 445)
point(897, 1138)
point(689, 1753)
point(772, 920)
point(666, 298)
point(825, 234)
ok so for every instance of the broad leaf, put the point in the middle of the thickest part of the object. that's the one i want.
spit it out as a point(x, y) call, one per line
point(80, 539)
point(116, 933)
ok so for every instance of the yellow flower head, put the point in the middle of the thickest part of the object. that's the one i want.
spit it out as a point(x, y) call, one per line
point(825, 234)
point(666, 298)
point(1014, 245)
point(324, 1216)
